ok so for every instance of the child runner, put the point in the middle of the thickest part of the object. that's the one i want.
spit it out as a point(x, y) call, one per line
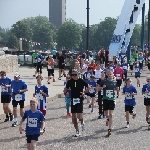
point(92, 92)
point(131, 63)
point(137, 73)
point(67, 97)
point(129, 91)
point(34, 126)
point(146, 92)
point(41, 92)
point(125, 66)
point(87, 74)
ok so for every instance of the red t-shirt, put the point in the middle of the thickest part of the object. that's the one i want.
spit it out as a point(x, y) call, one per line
point(118, 72)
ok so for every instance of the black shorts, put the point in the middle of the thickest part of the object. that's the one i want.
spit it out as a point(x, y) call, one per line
point(15, 103)
point(91, 95)
point(32, 137)
point(119, 82)
point(54, 56)
point(129, 108)
point(5, 98)
point(137, 76)
point(147, 101)
point(131, 67)
point(125, 76)
point(108, 104)
point(35, 65)
point(78, 108)
point(50, 72)
point(61, 66)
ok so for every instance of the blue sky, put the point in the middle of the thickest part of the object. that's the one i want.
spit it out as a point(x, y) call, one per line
point(12, 11)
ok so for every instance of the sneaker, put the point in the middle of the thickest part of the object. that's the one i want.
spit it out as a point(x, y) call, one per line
point(107, 121)
point(100, 117)
point(104, 116)
point(48, 82)
point(83, 126)
point(34, 75)
point(77, 134)
point(89, 106)
point(14, 123)
point(11, 117)
point(64, 75)
point(6, 120)
point(109, 132)
point(54, 80)
point(44, 130)
point(92, 111)
point(59, 78)
point(147, 119)
point(148, 127)
point(127, 126)
point(69, 114)
point(133, 117)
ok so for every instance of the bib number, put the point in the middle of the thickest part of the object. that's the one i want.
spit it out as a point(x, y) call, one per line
point(136, 69)
point(141, 61)
point(4, 89)
point(92, 90)
point(39, 96)
point(88, 75)
point(128, 96)
point(109, 93)
point(32, 122)
point(125, 67)
point(76, 101)
point(148, 95)
point(117, 76)
point(49, 67)
point(18, 97)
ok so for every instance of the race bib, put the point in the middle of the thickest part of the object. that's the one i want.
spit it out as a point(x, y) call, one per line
point(39, 59)
point(18, 97)
point(118, 76)
point(92, 90)
point(147, 95)
point(39, 96)
point(125, 67)
point(128, 95)
point(88, 75)
point(4, 89)
point(76, 101)
point(32, 122)
point(49, 67)
point(109, 93)
point(136, 69)
point(141, 61)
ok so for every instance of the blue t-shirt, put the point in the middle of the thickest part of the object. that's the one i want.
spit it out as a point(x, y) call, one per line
point(34, 120)
point(93, 86)
point(137, 70)
point(41, 98)
point(122, 56)
point(94, 54)
point(129, 99)
point(140, 58)
point(125, 67)
point(40, 59)
point(54, 52)
point(88, 74)
point(112, 68)
point(69, 91)
point(4, 90)
point(16, 86)
point(146, 87)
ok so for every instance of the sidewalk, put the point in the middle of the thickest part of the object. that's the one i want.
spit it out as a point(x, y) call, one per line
point(26, 74)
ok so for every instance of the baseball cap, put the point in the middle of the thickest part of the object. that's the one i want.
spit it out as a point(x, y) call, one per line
point(16, 74)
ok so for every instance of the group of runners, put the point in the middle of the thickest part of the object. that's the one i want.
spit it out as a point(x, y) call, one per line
point(83, 81)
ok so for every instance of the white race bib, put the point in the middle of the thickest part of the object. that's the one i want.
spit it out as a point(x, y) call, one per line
point(117, 76)
point(109, 93)
point(39, 59)
point(92, 90)
point(141, 61)
point(39, 96)
point(18, 97)
point(49, 67)
point(4, 89)
point(147, 95)
point(32, 122)
point(125, 67)
point(136, 69)
point(76, 101)
point(128, 95)
point(88, 75)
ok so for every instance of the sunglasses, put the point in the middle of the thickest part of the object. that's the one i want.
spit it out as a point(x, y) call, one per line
point(73, 74)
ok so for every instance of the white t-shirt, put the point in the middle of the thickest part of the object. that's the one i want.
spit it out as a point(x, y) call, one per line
point(98, 73)
point(90, 59)
point(84, 67)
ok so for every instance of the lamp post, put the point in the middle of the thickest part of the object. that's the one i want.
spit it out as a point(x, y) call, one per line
point(87, 36)
point(20, 43)
point(142, 29)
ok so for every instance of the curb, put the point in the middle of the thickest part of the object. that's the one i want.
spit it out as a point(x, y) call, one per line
point(2, 116)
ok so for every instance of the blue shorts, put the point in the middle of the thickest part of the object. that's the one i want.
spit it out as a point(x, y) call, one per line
point(32, 137)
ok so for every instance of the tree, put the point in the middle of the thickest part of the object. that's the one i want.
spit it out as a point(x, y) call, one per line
point(13, 42)
point(69, 35)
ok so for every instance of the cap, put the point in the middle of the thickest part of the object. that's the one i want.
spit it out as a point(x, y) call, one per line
point(16, 74)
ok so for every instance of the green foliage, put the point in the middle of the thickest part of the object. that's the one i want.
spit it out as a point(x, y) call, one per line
point(69, 35)
point(13, 42)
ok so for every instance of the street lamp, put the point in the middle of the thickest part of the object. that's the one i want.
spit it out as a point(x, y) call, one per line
point(20, 43)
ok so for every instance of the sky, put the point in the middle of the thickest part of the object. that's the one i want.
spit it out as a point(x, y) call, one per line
point(12, 11)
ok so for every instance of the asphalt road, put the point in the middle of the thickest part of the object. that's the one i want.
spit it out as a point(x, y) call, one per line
point(59, 129)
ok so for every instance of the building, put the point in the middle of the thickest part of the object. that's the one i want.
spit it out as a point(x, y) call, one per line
point(57, 12)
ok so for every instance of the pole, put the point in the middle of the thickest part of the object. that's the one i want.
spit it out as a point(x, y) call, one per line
point(142, 28)
point(20, 43)
point(149, 28)
point(129, 51)
point(87, 36)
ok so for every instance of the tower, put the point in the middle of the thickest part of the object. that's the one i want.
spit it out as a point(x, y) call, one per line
point(57, 12)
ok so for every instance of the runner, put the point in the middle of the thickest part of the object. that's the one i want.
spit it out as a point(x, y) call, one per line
point(19, 88)
point(141, 58)
point(131, 62)
point(67, 97)
point(50, 68)
point(148, 62)
point(5, 84)
point(108, 86)
point(97, 72)
point(76, 85)
point(146, 92)
point(137, 70)
point(40, 60)
point(129, 91)
point(91, 93)
point(87, 74)
point(119, 74)
point(34, 126)
point(100, 97)
point(34, 57)
point(125, 67)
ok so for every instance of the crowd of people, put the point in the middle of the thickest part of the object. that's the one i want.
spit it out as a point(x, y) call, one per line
point(85, 79)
